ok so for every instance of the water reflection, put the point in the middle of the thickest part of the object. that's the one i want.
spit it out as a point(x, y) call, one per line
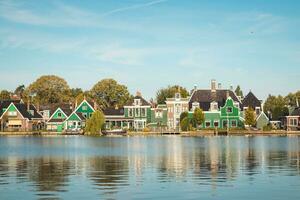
point(115, 166)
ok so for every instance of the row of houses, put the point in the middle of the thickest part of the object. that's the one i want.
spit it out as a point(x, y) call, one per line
point(222, 109)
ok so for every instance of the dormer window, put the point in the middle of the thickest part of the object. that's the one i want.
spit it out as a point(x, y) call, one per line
point(177, 96)
point(31, 112)
point(137, 102)
point(214, 106)
point(195, 105)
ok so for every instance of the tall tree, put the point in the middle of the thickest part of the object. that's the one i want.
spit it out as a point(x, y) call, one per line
point(276, 106)
point(250, 117)
point(109, 93)
point(198, 115)
point(239, 92)
point(20, 90)
point(49, 89)
point(95, 123)
point(4, 94)
point(169, 92)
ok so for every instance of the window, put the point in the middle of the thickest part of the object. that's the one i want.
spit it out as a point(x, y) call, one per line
point(130, 114)
point(195, 105)
point(293, 122)
point(12, 113)
point(207, 124)
point(229, 110)
point(214, 106)
point(236, 104)
point(31, 112)
point(177, 95)
point(137, 102)
point(257, 110)
point(177, 107)
point(225, 122)
point(79, 123)
point(84, 107)
point(216, 124)
point(84, 115)
point(143, 111)
point(59, 114)
point(158, 114)
point(137, 112)
point(233, 123)
point(74, 123)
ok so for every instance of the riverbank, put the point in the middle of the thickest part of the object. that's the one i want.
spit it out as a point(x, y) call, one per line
point(184, 134)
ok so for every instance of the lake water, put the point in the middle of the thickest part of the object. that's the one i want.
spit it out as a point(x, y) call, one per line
point(165, 167)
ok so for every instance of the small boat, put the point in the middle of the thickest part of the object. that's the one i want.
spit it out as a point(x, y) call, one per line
point(114, 132)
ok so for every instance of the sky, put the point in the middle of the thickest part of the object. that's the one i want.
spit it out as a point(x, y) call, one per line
point(150, 44)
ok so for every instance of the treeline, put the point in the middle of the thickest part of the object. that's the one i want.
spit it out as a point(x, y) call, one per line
point(50, 89)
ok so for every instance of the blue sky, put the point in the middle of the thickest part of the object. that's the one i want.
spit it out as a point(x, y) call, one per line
point(149, 44)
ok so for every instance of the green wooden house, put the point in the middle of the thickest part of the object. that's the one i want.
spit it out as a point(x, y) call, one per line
point(159, 118)
point(228, 116)
point(139, 110)
point(77, 119)
point(56, 121)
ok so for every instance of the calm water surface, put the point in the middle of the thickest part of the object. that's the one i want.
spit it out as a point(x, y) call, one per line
point(170, 167)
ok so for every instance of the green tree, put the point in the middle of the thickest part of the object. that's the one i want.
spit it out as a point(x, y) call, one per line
point(183, 115)
point(198, 115)
point(239, 92)
point(49, 89)
point(250, 117)
point(109, 93)
point(20, 90)
point(4, 94)
point(185, 124)
point(276, 106)
point(95, 123)
point(169, 92)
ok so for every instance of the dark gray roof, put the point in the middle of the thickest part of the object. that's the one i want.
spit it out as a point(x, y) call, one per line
point(143, 101)
point(251, 101)
point(205, 97)
point(296, 112)
point(113, 111)
point(23, 110)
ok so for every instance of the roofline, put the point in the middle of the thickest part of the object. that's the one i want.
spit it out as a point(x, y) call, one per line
point(56, 111)
point(84, 100)
point(15, 108)
point(71, 115)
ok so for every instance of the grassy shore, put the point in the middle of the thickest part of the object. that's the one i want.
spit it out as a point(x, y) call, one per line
point(185, 134)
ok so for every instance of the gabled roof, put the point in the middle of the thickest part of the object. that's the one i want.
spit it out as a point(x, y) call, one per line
point(251, 101)
point(205, 97)
point(5, 103)
point(66, 107)
point(22, 108)
point(143, 101)
point(88, 103)
point(113, 111)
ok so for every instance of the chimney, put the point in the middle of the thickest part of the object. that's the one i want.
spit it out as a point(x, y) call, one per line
point(297, 102)
point(195, 87)
point(28, 105)
point(227, 94)
point(213, 85)
point(76, 104)
point(219, 86)
point(231, 87)
point(138, 93)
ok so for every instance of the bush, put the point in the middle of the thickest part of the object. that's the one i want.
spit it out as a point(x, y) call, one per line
point(146, 129)
point(267, 127)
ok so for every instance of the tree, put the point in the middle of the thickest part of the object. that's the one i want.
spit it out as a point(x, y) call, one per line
point(49, 89)
point(4, 94)
point(185, 124)
point(20, 90)
point(109, 93)
point(183, 115)
point(250, 117)
point(276, 106)
point(198, 115)
point(75, 92)
point(95, 123)
point(239, 92)
point(169, 92)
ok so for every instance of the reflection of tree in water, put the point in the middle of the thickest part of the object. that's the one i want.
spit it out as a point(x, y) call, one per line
point(49, 174)
point(4, 169)
point(109, 172)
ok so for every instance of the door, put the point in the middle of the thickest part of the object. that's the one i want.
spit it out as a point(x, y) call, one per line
point(59, 128)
